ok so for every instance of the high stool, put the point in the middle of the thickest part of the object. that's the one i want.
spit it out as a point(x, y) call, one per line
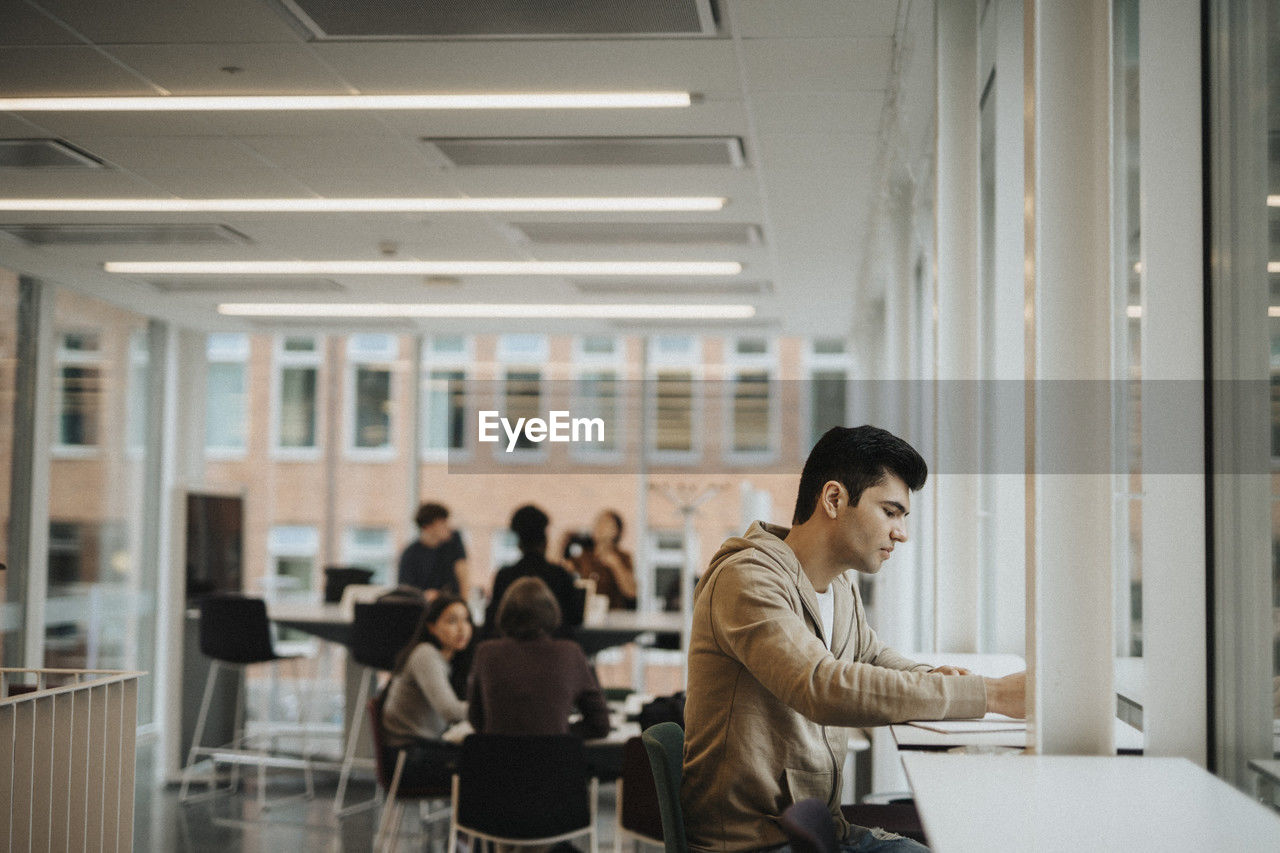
point(378, 632)
point(235, 633)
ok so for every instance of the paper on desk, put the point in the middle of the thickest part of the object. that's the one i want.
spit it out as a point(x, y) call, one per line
point(989, 723)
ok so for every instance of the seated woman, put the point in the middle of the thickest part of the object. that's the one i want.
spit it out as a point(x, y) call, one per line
point(527, 682)
point(420, 701)
point(607, 564)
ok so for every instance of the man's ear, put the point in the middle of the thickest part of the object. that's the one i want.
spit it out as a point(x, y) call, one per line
point(829, 498)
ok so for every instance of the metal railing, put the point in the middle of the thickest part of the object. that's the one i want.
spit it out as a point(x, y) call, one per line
point(67, 752)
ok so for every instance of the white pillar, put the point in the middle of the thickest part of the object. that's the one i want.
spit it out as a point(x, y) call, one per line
point(1174, 712)
point(956, 576)
point(1067, 65)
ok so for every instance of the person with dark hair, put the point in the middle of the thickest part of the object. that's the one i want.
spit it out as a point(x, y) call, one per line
point(782, 662)
point(529, 524)
point(436, 561)
point(601, 560)
point(421, 701)
point(527, 682)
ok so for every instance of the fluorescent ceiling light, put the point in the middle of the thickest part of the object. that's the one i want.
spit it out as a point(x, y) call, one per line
point(362, 205)
point(572, 268)
point(1133, 312)
point(1273, 266)
point(1273, 311)
point(495, 101)
point(1273, 201)
point(540, 311)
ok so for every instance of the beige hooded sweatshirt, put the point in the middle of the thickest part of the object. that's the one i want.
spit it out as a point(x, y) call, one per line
point(769, 706)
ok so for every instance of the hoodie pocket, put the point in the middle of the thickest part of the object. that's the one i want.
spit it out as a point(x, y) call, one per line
point(803, 784)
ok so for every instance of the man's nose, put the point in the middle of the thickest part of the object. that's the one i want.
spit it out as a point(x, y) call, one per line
point(898, 533)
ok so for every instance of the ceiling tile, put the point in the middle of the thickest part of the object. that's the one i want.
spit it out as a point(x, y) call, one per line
point(26, 25)
point(172, 153)
point(813, 18)
point(64, 70)
point(192, 21)
point(196, 69)
point(496, 66)
point(824, 112)
point(333, 152)
point(817, 64)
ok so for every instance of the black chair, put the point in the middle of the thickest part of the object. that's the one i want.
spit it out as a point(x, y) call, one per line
point(235, 632)
point(338, 578)
point(897, 816)
point(523, 790)
point(639, 815)
point(389, 781)
point(665, 745)
point(378, 632)
point(809, 827)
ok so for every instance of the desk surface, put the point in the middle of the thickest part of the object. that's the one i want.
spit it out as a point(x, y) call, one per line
point(1049, 803)
point(1128, 739)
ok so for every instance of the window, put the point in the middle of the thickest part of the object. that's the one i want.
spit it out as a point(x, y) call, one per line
point(370, 358)
point(79, 390)
point(752, 421)
point(370, 548)
point(291, 551)
point(597, 363)
point(675, 404)
point(226, 394)
point(444, 394)
point(666, 554)
point(522, 356)
point(136, 416)
point(296, 426)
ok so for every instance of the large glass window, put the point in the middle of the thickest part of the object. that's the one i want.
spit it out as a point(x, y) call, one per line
point(370, 358)
point(751, 416)
point(522, 356)
point(444, 394)
point(370, 548)
point(297, 387)
point(674, 400)
point(79, 388)
point(226, 394)
point(597, 362)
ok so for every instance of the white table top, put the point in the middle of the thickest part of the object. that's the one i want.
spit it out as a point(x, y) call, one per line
point(907, 737)
point(1049, 803)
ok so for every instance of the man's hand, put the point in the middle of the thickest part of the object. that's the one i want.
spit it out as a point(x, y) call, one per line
point(950, 670)
point(1008, 695)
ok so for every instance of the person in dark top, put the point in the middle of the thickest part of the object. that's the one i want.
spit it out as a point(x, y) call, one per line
point(437, 561)
point(528, 683)
point(530, 527)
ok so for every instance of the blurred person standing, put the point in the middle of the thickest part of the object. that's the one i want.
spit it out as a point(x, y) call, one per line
point(529, 524)
point(436, 561)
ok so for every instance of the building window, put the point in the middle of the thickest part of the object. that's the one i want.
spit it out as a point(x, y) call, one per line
point(297, 386)
point(291, 551)
point(79, 390)
point(666, 555)
point(752, 420)
point(136, 416)
point(522, 357)
point(674, 400)
point(828, 397)
point(444, 394)
point(370, 358)
point(370, 548)
point(597, 365)
point(226, 394)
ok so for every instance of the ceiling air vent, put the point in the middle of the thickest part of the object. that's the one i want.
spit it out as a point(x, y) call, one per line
point(44, 154)
point(126, 235)
point(245, 285)
point(592, 151)
point(640, 233)
point(691, 287)
point(453, 19)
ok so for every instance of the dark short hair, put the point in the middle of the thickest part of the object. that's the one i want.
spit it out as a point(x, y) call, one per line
point(856, 458)
point(430, 513)
point(528, 610)
point(529, 524)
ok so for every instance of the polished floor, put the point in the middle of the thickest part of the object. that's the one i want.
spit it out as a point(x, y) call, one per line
point(230, 823)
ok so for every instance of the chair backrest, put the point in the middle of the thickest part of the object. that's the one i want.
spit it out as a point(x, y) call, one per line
point(665, 745)
point(235, 629)
point(359, 593)
point(338, 578)
point(523, 786)
point(374, 709)
point(641, 812)
point(380, 630)
point(810, 827)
